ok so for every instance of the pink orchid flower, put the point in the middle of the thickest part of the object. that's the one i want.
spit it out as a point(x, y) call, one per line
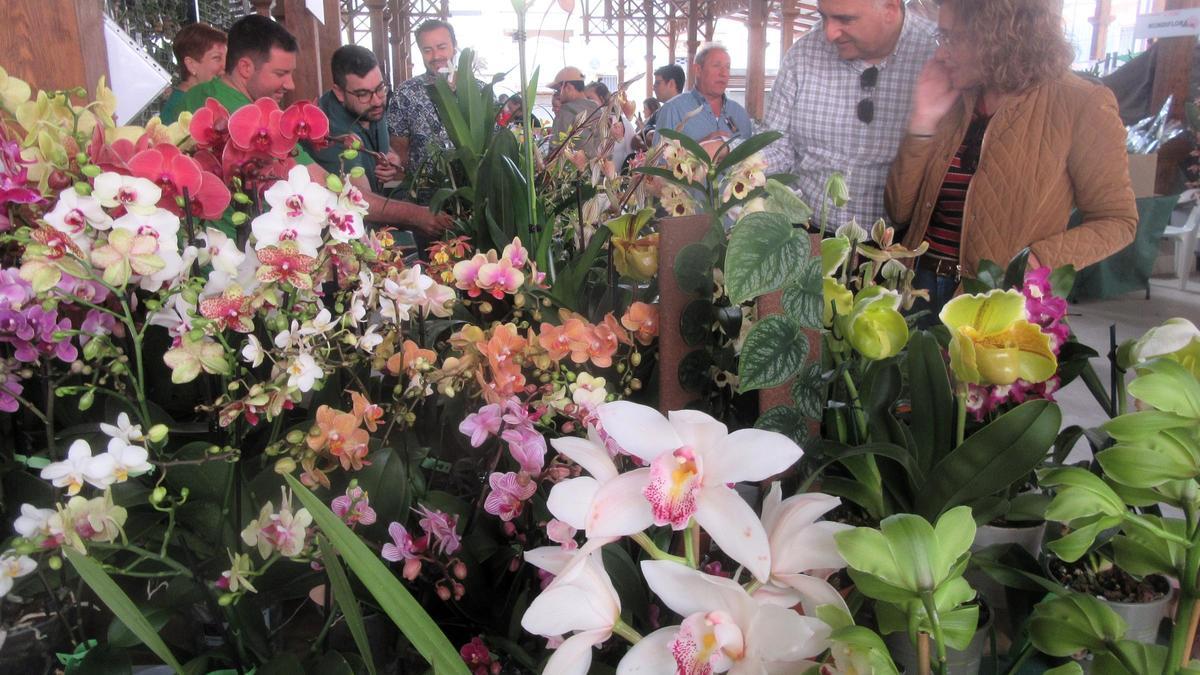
point(256, 128)
point(500, 278)
point(402, 546)
point(508, 495)
point(482, 425)
point(354, 507)
point(441, 527)
point(304, 121)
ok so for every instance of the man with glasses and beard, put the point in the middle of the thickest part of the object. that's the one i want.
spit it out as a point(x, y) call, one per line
point(355, 105)
point(842, 100)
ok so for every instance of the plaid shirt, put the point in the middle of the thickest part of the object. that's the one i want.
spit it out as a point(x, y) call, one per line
point(814, 104)
point(412, 113)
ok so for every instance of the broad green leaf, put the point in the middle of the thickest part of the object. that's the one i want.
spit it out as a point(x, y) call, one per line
point(805, 304)
point(932, 403)
point(747, 148)
point(808, 391)
point(1079, 540)
point(764, 250)
point(393, 598)
point(120, 604)
point(121, 637)
point(953, 534)
point(1079, 494)
point(102, 660)
point(1142, 657)
point(344, 596)
point(1062, 280)
point(696, 322)
point(990, 460)
point(835, 251)
point(1014, 274)
point(1140, 553)
point(1145, 424)
point(1071, 668)
point(785, 420)
point(1064, 625)
point(1153, 461)
point(781, 199)
point(774, 352)
point(1167, 386)
point(694, 268)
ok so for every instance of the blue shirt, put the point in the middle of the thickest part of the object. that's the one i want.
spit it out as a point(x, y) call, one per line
point(734, 118)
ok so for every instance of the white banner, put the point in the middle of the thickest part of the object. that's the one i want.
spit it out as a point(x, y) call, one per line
point(1175, 23)
point(135, 78)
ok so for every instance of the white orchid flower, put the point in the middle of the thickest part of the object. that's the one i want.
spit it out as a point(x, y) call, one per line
point(80, 467)
point(253, 353)
point(369, 340)
point(13, 566)
point(723, 630)
point(801, 544)
point(128, 460)
point(158, 223)
point(299, 197)
point(73, 213)
point(137, 195)
point(33, 523)
point(303, 372)
point(320, 324)
point(221, 252)
point(693, 462)
point(124, 430)
point(581, 599)
point(274, 227)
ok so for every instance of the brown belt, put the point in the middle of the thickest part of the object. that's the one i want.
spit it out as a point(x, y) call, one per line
point(940, 266)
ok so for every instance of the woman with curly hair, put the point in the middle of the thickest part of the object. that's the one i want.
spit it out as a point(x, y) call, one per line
point(1002, 141)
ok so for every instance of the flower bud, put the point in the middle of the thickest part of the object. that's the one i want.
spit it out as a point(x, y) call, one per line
point(295, 437)
point(190, 295)
point(412, 569)
point(158, 495)
point(226, 599)
point(443, 593)
point(91, 171)
point(635, 384)
point(285, 465)
point(350, 155)
point(83, 189)
point(87, 400)
point(179, 201)
point(356, 144)
point(621, 368)
point(358, 172)
point(485, 307)
point(241, 198)
point(239, 218)
point(459, 570)
point(81, 158)
point(158, 433)
point(459, 591)
point(183, 494)
point(214, 449)
point(334, 183)
point(636, 358)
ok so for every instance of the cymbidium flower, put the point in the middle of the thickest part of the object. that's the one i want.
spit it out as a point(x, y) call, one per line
point(1176, 339)
point(723, 630)
point(993, 343)
point(581, 600)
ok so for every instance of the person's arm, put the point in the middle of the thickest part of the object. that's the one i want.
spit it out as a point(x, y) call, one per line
point(399, 125)
point(1099, 170)
point(933, 99)
point(391, 211)
point(400, 147)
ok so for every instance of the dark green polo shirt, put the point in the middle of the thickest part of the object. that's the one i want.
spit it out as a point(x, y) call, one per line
point(342, 122)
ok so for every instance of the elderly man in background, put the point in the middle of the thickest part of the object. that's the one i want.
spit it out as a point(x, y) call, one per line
point(842, 100)
point(412, 117)
point(569, 86)
point(705, 113)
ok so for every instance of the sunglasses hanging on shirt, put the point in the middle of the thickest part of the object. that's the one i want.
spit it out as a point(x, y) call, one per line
point(867, 80)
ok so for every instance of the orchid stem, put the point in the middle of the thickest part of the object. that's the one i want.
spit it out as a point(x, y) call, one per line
point(626, 631)
point(961, 421)
point(693, 545)
point(643, 540)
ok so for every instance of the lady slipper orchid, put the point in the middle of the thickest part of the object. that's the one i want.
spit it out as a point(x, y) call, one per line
point(875, 326)
point(581, 600)
point(723, 630)
point(992, 343)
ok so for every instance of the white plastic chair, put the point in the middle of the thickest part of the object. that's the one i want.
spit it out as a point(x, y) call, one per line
point(1185, 237)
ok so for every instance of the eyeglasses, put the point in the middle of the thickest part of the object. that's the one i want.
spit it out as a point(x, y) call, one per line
point(944, 38)
point(866, 107)
point(365, 95)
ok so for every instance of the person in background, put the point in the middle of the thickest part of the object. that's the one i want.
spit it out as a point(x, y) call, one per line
point(512, 114)
point(622, 129)
point(641, 139)
point(1002, 142)
point(412, 117)
point(260, 63)
point(355, 106)
point(842, 99)
point(200, 55)
point(568, 86)
point(705, 113)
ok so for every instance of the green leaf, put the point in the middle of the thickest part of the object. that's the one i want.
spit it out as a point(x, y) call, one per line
point(1005, 451)
point(696, 322)
point(1143, 657)
point(1167, 386)
point(774, 352)
point(747, 148)
point(808, 391)
point(393, 598)
point(688, 143)
point(1064, 625)
point(120, 636)
point(932, 403)
point(694, 268)
point(1014, 275)
point(990, 274)
point(785, 420)
point(119, 604)
point(764, 250)
point(1079, 541)
point(1062, 281)
point(1152, 462)
point(781, 199)
point(1140, 553)
point(803, 298)
point(103, 660)
point(343, 594)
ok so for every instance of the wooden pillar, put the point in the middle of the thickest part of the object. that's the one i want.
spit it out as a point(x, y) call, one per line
point(394, 55)
point(693, 36)
point(304, 27)
point(262, 7)
point(787, 35)
point(649, 8)
point(78, 54)
point(330, 39)
point(378, 32)
point(621, 43)
point(756, 67)
point(1172, 77)
point(402, 44)
point(1100, 22)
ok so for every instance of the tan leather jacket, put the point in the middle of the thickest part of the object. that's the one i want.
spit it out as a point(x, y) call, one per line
point(1056, 145)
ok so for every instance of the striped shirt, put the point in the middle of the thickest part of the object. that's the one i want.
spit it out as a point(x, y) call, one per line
point(945, 224)
point(813, 104)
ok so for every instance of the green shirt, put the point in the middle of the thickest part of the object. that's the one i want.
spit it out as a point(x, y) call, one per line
point(229, 97)
point(173, 106)
point(342, 122)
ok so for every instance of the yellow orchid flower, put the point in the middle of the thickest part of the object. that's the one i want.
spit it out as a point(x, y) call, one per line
point(875, 327)
point(839, 300)
point(635, 257)
point(13, 91)
point(992, 343)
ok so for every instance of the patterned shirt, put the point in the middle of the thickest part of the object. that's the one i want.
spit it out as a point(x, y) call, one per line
point(733, 120)
point(814, 103)
point(412, 113)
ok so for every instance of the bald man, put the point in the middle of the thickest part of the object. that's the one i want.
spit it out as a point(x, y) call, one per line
point(568, 86)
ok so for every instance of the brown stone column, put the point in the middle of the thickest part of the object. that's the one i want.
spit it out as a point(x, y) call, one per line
point(674, 235)
point(756, 68)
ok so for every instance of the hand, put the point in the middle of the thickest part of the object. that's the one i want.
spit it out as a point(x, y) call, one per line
point(932, 99)
point(388, 168)
point(716, 144)
point(432, 224)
